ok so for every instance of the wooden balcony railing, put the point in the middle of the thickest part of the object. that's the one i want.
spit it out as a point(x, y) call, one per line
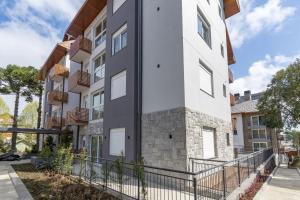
point(59, 72)
point(79, 81)
point(230, 75)
point(231, 7)
point(78, 116)
point(55, 123)
point(56, 97)
point(80, 49)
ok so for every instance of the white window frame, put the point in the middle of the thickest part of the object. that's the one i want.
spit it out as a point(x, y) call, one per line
point(99, 139)
point(204, 25)
point(259, 145)
point(102, 34)
point(214, 144)
point(259, 134)
point(113, 96)
point(118, 34)
point(100, 68)
point(100, 106)
point(259, 122)
point(121, 143)
point(207, 70)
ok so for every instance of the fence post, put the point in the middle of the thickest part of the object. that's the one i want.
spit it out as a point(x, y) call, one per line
point(224, 183)
point(106, 174)
point(248, 166)
point(138, 177)
point(195, 187)
point(239, 173)
point(254, 167)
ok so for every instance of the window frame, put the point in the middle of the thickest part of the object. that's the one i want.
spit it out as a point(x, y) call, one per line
point(201, 17)
point(102, 34)
point(115, 77)
point(99, 151)
point(206, 68)
point(100, 68)
point(100, 106)
point(259, 133)
point(118, 35)
point(259, 144)
point(110, 147)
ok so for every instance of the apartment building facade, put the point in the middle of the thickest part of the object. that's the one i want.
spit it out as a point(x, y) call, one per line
point(148, 79)
point(249, 130)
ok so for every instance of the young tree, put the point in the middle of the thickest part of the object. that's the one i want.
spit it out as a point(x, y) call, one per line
point(15, 80)
point(281, 101)
point(3, 107)
point(29, 115)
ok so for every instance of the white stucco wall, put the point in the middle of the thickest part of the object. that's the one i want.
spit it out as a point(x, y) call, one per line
point(163, 87)
point(238, 140)
point(195, 48)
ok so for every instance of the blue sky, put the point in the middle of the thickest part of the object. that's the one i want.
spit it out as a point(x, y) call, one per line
point(265, 36)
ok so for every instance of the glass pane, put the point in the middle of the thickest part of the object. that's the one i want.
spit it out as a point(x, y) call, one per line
point(94, 147)
point(97, 113)
point(255, 134)
point(255, 121)
point(255, 146)
point(96, 100)
point(262, 134)
point(98, 29)
point(124, 39)
point(261, 120)
point(263, 145)
point(117, 43)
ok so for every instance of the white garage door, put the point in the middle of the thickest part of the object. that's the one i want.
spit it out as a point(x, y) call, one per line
point(208, 143)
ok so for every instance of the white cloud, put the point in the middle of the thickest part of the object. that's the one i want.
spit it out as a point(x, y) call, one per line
point(254, 19)
point(261, 72)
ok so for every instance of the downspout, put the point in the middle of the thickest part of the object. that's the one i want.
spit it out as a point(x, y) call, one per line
point(62, 111)
point(79, 106)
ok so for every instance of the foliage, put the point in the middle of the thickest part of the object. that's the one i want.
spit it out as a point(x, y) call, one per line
point(281, 101)
point(82, 157)
point(63, 159)
point(294, 136)
point(119, 167)
point(29, 115)
point(5, 120)
point(46, 153)
point(3, 107)
point(66, 138)
point(49, 142)
point(3, 146)
point(140, 171)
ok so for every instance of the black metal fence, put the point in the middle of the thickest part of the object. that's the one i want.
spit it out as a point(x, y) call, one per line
point(207, 179)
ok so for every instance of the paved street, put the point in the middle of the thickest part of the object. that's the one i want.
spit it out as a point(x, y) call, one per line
point(7, 189)
point(284, 185)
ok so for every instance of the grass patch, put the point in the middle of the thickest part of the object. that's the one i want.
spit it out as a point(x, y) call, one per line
point(296, 163)
point(44, 185)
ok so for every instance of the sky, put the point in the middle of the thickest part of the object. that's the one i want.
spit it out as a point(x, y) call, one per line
point(265, 37)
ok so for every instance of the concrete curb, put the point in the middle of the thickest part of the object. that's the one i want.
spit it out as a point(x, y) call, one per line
point(21, 189)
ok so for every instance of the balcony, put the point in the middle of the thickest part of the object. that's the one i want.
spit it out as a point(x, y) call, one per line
point(231, 7)
point(55, 123)
point(80, 49)
point(79, 81)
point(56, 97)
point(59, 72)
point(230, 75)
point(78, 116)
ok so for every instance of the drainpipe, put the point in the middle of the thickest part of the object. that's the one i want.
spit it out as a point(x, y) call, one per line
point(62, 111)
point(79, 106)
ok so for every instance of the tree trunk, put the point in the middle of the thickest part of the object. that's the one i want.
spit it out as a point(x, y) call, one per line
point(15, 123)
point(39, 119)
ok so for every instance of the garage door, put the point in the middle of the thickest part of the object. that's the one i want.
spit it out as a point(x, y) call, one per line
point(208, 143)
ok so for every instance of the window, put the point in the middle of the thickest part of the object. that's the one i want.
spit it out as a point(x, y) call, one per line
point(204, 28)
point(224, 91)
point(228, 139)
point(234, 122)
point(118, 85)
point(222, 50)
point(257, 146)
point(96, 147)
point(259, 134)
point(85, 102)
point(97, 105)
point(99, 68)
point(117, 4)
point(117, 142)
point(258, 120)
point(206, 79)
point(119, 39)
point(100, 33)
point(208, 143)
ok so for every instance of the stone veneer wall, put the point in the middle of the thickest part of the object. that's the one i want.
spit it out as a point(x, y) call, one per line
point(170, 138)
point(91, 129)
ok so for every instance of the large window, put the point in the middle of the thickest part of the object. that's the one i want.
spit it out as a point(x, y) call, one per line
point(96, 147)
point(100, 33)
point(99, 68)
point(206, 79)
point(208, 143)
point(204, 28)
point(258, 120)
point(119, 39)
point(97, 105)
point(257, 146)
point(117, 142)
point(117, 4)
point(118, 85)
point(259, 134)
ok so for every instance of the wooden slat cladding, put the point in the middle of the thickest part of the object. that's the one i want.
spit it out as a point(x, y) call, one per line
point(232, 100)
point(231, 7)
point(80, 44)
point(230, 53)
point(59, 71)
point(230, 75)
point(56, 97)
point(78, 116)
point(87, 13)
point(79, 81)
point(55, 122)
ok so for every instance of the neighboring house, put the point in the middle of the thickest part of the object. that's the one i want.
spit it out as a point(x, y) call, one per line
point(146, 78)
point(249, 130)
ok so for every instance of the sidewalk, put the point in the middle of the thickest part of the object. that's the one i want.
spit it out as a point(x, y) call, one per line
point(284, 184)
point(11, 187)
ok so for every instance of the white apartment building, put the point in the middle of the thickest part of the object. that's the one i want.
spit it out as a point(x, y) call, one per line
point(146, 78)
